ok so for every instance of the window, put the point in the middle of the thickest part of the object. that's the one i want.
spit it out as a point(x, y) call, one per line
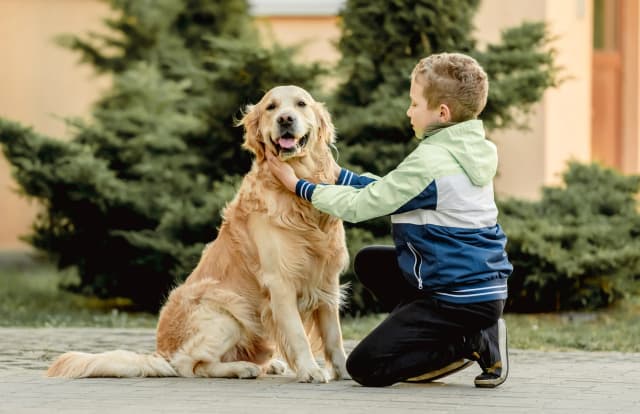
point(606, 24)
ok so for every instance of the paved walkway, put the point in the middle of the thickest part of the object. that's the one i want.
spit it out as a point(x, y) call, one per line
point(539, 382)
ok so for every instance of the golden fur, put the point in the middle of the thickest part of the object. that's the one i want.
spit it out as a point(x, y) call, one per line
point(269, 281)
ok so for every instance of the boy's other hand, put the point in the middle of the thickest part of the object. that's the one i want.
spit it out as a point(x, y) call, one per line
point(282, 171)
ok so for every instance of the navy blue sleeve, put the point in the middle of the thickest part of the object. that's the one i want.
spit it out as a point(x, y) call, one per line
point(352, 179)
point(305, 189)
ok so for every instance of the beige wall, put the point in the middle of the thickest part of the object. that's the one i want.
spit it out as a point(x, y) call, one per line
point(521, 153)
point(40, 83)
point(316, 35)
point(561, 123)
point(568, 107)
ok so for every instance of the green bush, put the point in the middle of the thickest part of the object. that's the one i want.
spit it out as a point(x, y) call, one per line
point(576, 248)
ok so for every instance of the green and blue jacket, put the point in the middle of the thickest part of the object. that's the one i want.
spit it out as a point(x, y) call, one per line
point(441, 202)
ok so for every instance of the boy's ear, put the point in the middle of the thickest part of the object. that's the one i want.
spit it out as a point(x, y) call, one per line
point(445, 113)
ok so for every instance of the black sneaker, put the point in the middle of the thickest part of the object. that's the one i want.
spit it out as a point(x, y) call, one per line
point(494, 359)
point(452, 368)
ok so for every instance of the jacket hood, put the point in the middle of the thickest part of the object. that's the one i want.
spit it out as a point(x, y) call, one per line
point(466, 142)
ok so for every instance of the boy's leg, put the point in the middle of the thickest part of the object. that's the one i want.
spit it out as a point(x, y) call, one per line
point(418, 337)
point(377, 269)
point(491, 351)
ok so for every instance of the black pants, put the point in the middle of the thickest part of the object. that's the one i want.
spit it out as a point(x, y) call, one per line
point(421, 334)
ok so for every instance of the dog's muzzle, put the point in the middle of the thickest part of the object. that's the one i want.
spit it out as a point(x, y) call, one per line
point(287, 144)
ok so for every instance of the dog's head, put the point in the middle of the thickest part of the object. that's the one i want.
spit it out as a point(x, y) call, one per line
point(287, 122)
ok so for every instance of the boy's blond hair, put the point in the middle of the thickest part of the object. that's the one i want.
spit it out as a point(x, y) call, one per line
point(455, 80)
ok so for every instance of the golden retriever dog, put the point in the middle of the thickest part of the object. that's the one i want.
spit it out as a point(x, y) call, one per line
point(268, 285)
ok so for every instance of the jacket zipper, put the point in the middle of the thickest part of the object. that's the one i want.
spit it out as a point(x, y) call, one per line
point(416, 265)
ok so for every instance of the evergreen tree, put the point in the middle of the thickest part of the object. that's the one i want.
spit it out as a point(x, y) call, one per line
point(131, 200)
point(381, 42)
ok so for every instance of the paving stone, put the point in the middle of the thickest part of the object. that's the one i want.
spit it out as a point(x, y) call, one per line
point(539, 382)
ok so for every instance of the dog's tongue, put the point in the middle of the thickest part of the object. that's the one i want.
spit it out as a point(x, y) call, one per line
point(287, 142)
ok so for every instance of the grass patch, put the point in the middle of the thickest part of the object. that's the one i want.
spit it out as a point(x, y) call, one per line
point(359, 327)
point(614, 329)
point(30, 297)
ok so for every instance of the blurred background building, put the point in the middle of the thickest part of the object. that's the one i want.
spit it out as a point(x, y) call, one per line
point(592, 116)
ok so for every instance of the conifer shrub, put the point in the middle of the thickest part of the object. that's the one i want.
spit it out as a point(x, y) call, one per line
point(578, 246)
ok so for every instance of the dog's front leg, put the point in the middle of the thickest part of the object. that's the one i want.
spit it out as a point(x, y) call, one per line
point(285, 313)
point(328, 320)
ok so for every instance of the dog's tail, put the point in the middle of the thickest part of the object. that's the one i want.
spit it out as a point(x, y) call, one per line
point(110, 364)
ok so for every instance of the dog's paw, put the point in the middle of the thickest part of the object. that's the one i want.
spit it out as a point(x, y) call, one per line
point(248, 370)
point(339, 373)
point(339, 367)
point(315, 375)
point(276, 367)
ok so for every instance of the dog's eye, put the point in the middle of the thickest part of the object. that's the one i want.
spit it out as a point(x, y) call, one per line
point(271, 107)
point(302, 104)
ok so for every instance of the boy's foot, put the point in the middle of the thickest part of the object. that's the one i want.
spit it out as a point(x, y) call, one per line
point(494, 360)
point(442, 372)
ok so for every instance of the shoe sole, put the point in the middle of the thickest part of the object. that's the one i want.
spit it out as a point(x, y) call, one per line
point(452, 368)
point(504, 357)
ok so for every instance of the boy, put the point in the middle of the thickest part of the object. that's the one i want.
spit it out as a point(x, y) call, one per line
point(445, 280)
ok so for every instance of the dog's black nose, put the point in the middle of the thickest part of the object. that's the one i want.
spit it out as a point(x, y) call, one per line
point(285, 120)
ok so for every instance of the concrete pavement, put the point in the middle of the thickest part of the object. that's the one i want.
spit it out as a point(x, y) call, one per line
point(539, 382)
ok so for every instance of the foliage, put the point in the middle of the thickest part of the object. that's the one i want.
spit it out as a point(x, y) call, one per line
point(133, 197)
point(382, 41)
point(578, 247)
point(212, 50)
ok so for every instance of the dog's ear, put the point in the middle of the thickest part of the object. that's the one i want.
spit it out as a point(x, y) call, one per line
point(252, 138)
point(326, 130)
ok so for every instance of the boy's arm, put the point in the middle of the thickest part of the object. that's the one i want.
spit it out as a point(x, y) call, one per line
point(407, 187)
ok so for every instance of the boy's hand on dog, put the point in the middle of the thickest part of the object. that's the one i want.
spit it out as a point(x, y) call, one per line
point(282, 171)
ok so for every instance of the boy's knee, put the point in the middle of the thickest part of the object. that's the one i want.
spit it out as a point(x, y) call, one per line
point(353, 364)
point(365, 372)
point(360, 262)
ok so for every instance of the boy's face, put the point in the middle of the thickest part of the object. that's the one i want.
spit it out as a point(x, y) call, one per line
point(421, 116)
